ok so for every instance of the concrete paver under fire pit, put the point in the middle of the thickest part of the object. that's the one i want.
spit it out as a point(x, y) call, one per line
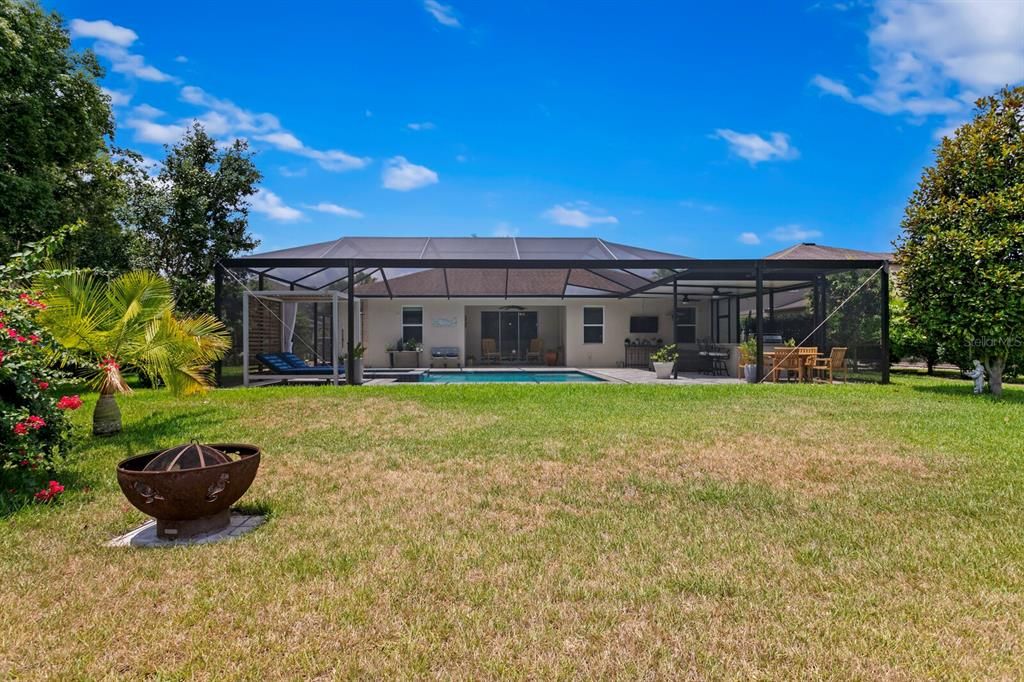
point(145, 535)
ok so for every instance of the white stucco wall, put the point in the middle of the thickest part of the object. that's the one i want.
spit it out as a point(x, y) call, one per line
point(382, 326)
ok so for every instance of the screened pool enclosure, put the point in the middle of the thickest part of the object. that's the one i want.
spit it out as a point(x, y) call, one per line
point(581, 301)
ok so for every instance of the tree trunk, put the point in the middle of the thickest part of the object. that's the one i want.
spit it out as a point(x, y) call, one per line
point(106, 417)
point(931, 366)
point(994, 367)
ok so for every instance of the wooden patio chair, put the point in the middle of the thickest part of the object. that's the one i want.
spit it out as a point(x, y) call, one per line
point(785, 358)
point(833, 364)
point(536, 351)
point(489, 351)
point(808, 355)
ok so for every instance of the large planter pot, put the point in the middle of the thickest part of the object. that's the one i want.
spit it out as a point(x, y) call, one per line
point(106, 418)
point(551, 358)
point(357, 371)
point(663, 370)
point(750, 373)
point(405, 358)
point(193, 501)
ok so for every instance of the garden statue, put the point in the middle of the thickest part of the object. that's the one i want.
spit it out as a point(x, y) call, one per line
point(978, 374)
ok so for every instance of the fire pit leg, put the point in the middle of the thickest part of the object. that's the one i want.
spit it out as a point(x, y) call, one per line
point(179, 530)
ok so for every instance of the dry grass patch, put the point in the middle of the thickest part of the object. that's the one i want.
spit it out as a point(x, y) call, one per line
point(531, 532)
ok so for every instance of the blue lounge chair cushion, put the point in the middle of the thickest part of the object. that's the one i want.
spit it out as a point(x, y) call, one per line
point(292, 359)
point(444, 352)
point(278, 365)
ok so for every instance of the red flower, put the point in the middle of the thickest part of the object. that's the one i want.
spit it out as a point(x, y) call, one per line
point(43, 385)
point(20, 339)
point(30, 302)
point(49, 492)
point(108, 365)
point(35, 422)
point(69, 402)
point(20, 429)
point(34, 338)
point(13, 333)
point(2, 355)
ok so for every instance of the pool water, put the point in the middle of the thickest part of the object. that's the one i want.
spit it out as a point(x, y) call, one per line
point(509, 376)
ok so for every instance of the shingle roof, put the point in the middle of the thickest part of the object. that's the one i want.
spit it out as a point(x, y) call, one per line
point(811, 251)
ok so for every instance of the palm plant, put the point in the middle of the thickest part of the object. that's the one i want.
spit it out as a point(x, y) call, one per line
point(127, 322)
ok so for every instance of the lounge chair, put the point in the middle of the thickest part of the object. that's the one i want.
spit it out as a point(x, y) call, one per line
point(489, 351)
point(536, 351)
point(278, 363)
point(444, 354)
point(833, 364)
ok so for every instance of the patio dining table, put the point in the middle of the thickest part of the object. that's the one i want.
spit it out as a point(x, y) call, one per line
point(804, 357)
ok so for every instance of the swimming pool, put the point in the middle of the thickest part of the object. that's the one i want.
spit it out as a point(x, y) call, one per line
point(470, 376)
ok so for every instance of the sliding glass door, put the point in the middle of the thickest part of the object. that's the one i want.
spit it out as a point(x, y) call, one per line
point(512, 331)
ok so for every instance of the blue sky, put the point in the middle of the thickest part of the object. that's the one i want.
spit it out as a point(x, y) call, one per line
point(705, 129)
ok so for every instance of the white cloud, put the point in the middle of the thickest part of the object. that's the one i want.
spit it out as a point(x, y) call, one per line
point(334, 209)
point(748, 238)
point(181, 59)
point(130, 64)
point(117, 98)
point(794, 233)
point(756, 149)
point(147, 111)
point(444, 14)
point(832, 87)
point(227, 118)
point(269, 204)
point(461, 158)
point(505, 230)
point(575, 214)
point(425, 125)
point(292, 172)
point(101, 29)
point(147, 130)
point(401, 175)
point(934, 58)
point(123, 61)
point(240, 119)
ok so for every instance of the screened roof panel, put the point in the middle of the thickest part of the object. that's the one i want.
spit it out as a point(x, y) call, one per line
point(468, 248)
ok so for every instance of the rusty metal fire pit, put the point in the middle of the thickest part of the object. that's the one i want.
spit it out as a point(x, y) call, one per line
point(189, 488)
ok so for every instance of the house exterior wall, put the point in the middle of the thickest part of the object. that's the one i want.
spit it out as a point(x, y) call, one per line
point(382, 325)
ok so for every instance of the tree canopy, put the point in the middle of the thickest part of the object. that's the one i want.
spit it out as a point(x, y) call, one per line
point(54, 164)
point(962, 248)
point(192, 214)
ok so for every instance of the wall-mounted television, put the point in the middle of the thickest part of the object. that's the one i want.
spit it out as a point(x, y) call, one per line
point(642, 324)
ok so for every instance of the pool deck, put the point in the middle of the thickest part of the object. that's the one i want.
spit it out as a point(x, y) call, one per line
point(614, 375)
point(392, 377)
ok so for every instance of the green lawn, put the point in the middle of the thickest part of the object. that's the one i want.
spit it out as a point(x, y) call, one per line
point(549, 531)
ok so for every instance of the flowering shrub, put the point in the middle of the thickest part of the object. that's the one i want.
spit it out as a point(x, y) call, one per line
point(34, 429)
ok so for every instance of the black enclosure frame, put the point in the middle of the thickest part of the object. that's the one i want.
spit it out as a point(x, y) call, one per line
point(624, 271)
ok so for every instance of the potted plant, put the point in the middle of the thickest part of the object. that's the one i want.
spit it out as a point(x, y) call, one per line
point(405, 354)
point(551, 357)
point(356, 366)
point(748, 358)
point(664, 360)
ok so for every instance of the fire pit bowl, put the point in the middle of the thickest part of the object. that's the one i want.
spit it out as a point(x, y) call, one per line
point(189, 488)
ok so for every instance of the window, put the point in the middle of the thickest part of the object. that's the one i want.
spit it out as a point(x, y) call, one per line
point(593, 325)
point(412, 324)
point(686, 325)
point(643, 324)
